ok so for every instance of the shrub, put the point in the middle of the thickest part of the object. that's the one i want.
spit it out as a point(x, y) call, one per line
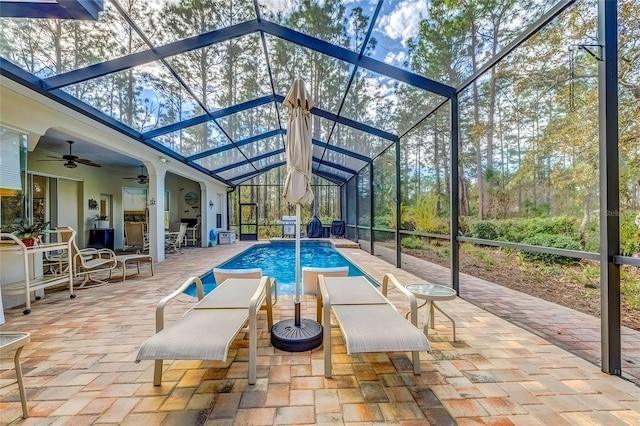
point(550, 240)
point(485, 230)
point(412, 242)
point(629, 234)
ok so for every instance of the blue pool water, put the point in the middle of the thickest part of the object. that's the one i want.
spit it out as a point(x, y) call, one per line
point(277, 260)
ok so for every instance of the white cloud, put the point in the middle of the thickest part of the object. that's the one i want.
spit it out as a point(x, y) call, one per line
point(277, 5)
point(403, 22)
point(396, 58)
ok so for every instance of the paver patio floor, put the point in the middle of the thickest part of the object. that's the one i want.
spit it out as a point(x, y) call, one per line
point(79, 367)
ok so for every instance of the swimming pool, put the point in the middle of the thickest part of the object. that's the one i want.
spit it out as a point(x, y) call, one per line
point(277, 260)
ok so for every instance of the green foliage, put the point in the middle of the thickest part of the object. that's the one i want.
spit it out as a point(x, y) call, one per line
point(630, 287)
point(550, 240)
point(481, 254)
point(382, 222)
point(540, 209)
point(629, 234)
point(589, 276)
point(485, 229)
point(424, 216)
point(519, 230)
point(592, 236)
point(413, 242)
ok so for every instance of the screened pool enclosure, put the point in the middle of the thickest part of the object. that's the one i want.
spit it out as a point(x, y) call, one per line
point(435, 122)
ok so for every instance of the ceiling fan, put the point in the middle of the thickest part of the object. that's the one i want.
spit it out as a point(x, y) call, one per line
point(71, 161)
point(141, 178)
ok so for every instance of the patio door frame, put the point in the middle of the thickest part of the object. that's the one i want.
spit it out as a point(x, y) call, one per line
point(249, 236)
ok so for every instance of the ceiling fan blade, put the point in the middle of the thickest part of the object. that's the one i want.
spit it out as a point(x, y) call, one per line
point(87, 162)
point(57, 158)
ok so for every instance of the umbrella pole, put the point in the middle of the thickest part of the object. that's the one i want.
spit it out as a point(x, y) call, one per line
point(297, 302)
point(298, 334)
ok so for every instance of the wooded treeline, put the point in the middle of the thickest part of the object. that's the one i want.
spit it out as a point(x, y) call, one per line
point(529, 127)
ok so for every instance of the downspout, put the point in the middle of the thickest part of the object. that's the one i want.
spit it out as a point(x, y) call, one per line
point(229, 191)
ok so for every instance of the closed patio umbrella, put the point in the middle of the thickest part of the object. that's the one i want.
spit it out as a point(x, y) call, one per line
point(300, 334)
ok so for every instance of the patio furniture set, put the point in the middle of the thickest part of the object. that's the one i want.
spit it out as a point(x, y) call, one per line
point(368, 320)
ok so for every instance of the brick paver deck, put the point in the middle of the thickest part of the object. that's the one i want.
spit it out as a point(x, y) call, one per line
point(569, 329)
point(79, 367)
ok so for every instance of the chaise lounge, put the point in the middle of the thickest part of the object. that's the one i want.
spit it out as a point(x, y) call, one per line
point(123, 259)
point(368, 321)
point(206, 331)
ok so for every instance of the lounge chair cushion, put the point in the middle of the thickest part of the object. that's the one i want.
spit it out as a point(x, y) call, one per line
point(377, 328)
point(200, 334)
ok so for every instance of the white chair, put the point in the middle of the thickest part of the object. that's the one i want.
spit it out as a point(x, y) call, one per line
point(310, 277)
point(193, 235)
point(207, 330)
point(222, 274)
point(174, 240)
point(89, 261)
point(367, 320)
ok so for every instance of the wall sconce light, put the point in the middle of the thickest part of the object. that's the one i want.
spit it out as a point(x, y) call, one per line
point(165, 160)
point(152, 202)
point(211, 204)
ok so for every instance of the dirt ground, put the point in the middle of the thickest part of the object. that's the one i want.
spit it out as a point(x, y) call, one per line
point(508, 270)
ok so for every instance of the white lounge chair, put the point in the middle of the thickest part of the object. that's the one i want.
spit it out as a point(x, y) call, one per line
point(206, 331)
point(221, 274)
point(368, 321)
point(310, 277)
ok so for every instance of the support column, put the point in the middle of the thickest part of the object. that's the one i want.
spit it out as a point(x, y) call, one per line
point(357, 207)
point(609, 187)
point(371, 207)
point(155, 204)
point(398, 209)
point(454, 201)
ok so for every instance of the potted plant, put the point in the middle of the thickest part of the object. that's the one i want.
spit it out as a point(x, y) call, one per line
point(29, 233)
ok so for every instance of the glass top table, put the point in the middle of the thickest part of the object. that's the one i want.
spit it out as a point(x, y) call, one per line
point(15, 341)
point(431, 293)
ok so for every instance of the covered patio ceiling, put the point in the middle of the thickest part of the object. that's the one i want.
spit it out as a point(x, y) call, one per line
point(204, 83)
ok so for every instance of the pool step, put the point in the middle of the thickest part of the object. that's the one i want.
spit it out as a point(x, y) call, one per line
point(344, 243)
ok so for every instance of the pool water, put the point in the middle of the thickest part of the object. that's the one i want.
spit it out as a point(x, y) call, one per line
point(277, 260)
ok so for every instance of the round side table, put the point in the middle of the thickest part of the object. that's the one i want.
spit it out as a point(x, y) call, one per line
point(431, 293)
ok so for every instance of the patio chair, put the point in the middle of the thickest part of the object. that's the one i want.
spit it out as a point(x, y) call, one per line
point(223, 274)
point(174, 240)
point(135, 236)
point(310, 277)
point(368, 321)
point(58, 262)
point(89, 261)
point(206, 331)
point(193, 234)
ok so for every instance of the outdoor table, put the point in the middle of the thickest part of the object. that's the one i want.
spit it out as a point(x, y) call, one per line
point(431, 293)
point(8, 342)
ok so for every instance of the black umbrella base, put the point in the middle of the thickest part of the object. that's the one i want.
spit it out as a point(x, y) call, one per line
point(287, 336)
